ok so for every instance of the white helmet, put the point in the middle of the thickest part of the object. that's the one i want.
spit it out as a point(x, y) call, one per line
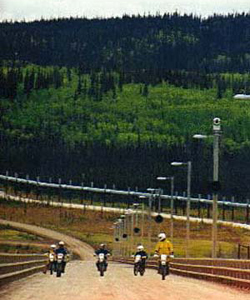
point(162, 236)
point(140, 248)
point(53, 246)
point(61, 243)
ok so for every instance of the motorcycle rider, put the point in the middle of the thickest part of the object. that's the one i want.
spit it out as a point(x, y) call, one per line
point(64, 251)
point(102, 249)
point(52, 250)
point(164, 246)
point(142, 253)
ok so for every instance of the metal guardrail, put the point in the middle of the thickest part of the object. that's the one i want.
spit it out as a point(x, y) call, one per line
point(115, 192)
point(16, 266)
point(225, 271)
point(11, 257)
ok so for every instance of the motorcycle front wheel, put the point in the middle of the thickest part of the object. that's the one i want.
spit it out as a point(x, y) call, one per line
point(59, 270)
point(101, 269)
point(136, 270)
point(163, 272)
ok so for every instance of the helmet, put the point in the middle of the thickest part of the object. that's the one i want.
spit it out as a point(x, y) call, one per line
point(102, 245)
point(53, 246)
point(140, 248)
point(162, 236)
point(61, 243)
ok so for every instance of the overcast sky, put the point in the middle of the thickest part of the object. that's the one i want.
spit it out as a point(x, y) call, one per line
point(35, 9)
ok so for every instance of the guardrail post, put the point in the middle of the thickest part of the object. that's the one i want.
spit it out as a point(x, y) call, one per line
point(247, 212)
point(37, 187)
point(176, 203)
point(208, 207)
point(82, 193)
point(183, 205)
point(199, 205)
point(6, 184)
point(27, 186)
point(113, 200)
point(128, 204)
point(49, 191)
point(70, 195)
point(15, 186)
point(239, 249)
point(91, 194)
point(104, 195)
point(232, 200)
point(60, 189)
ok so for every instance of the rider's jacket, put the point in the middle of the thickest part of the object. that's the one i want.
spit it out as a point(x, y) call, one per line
point(164, 247)
point(104, 251)
point(142, 253)
point(61, 250)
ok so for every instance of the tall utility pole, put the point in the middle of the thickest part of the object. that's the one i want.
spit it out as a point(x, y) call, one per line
point(217, 132)
point(172, 210)
point(188, 206)
point(216, 184)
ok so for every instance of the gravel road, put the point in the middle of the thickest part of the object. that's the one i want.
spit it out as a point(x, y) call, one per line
point(82, 282)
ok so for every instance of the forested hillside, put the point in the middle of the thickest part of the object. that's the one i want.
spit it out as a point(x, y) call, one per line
point(132, 43)
point(114, 101)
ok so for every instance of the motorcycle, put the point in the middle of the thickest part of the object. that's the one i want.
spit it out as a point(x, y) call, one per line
point(139, 265)
point(102, 264)
point(59, 264)
point(164, 265)
point(52, 263)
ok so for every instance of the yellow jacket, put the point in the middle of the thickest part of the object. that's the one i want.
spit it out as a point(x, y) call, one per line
point(164, 247)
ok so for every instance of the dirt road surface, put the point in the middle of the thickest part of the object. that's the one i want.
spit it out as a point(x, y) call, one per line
point(82, 282)
point(82, 249)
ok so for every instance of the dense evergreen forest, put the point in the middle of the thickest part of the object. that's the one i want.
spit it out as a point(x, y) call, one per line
point(114, 101)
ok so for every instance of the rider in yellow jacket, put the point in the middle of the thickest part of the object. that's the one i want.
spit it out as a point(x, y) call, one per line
point(164, 246)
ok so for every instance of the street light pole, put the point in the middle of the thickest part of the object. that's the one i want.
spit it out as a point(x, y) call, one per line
point(189, 170)
point(142, 211)
point(171, 178)
point(216, 130)
point(150, 200)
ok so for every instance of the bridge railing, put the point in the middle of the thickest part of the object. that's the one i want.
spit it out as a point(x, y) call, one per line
point(16, 266)
point(227, 271)
point(113, 197)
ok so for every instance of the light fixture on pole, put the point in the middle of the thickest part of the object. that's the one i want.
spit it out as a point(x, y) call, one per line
point(216, 183)
point(171, 178)
point(189, 169)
